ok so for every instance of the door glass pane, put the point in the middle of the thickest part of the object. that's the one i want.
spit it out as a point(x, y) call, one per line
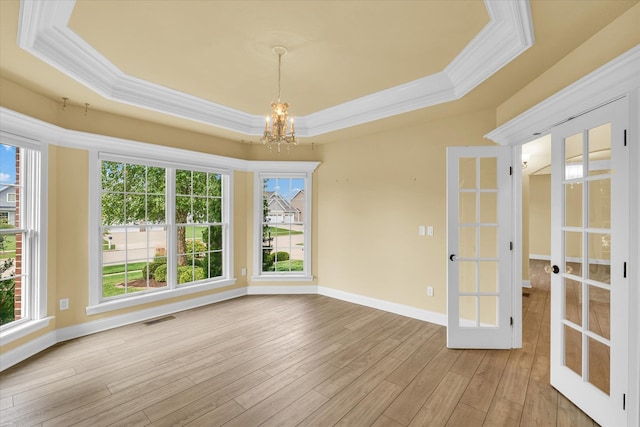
point(573, 205)
point(467, 172)
point(599, 365)
point(600, 203)
point(467, 277)
point(488, 311)
point(600, 149)
point(488, 276)
point(573, 349)
point(488, 242)
point(467, 242)
point(600, 311)
point(573, 149)
point(599, 257)
point(573, 301)
point(468, 311)
point(573, 246)
point(467, 208)
point(488, 171)
point(489, 208)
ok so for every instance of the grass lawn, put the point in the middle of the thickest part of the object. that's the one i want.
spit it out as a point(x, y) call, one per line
point(119, 268)
point(109, 283)
point(291, 265)
point(276, 231)
point(194, 232)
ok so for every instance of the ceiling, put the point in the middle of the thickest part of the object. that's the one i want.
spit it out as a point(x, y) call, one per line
point(219, 53)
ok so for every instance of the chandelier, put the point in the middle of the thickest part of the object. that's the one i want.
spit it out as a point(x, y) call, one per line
point(275, 128)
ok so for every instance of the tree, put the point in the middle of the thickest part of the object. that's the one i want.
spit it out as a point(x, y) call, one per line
point(7, 294)
point(136, 194)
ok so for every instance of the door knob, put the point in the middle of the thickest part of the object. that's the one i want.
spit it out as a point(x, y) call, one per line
point(556, 269)
point(453, 257)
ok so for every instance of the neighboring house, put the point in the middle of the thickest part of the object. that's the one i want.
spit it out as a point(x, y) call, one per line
point(7, 205)
point(281, 210)
point(297, 203)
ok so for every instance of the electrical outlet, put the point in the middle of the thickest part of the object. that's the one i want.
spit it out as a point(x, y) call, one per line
point(421, 230)
point(244, 271)
point(430, 291)
point(64, 304)
point(430, 230)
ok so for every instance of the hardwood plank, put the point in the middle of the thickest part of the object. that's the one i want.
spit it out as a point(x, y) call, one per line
point(384, 421)
point(340, 404)
point(218, 416)
point(516, 373)
point(569, 415)
point(484, 383)
point(443, 401)
point(416, 362)
point(466, 416)
point(170, 413)
point(139, 419)
point(297, 411)
point(416, 393)
point(371, 407)
point(540, 406)
point(468, 362)
point(503, 412)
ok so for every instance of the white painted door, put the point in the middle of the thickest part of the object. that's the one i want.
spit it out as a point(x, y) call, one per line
point(479, 182)
point(589, 252)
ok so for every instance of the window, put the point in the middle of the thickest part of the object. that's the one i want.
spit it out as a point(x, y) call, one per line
point(22, 238)
point(163, 228)
point(283, 226)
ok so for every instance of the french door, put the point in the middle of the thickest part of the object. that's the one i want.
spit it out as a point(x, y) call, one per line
point(589, 252)
point(479, 290)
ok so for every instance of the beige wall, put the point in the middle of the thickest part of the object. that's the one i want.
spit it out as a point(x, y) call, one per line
point(373, 193)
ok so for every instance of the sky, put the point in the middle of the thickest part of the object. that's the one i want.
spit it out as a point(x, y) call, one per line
point(286, 187)
point(7, 164)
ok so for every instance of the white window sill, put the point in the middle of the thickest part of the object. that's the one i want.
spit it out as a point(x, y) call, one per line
point(23, 329)
point(132, 301)
point(282, 278)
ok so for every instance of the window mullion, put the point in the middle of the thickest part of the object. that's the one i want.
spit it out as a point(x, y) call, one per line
point(170, 220)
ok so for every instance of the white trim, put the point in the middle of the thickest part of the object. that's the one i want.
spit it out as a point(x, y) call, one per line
point(24, 329)
point(526, 284)
point(282, 290)
point(391, 307)
point(31, 348)
point(608, 82)
point(117, 304)
point(516, 257)
point(540, 257)
point(43, 31)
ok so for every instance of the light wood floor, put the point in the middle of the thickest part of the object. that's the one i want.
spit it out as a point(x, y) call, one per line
point(288, 360)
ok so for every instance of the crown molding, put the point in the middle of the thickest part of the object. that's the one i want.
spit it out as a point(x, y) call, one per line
point(612, 80)
point(16, 126)
point(43, 31)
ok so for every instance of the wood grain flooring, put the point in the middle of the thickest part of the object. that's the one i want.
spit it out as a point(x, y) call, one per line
point(303, 360)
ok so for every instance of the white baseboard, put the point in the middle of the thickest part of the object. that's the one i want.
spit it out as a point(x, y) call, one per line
point(31, 348)
point(401, 309)
point(526, 284)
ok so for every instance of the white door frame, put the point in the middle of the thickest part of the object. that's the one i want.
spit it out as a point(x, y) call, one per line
point(620, 77)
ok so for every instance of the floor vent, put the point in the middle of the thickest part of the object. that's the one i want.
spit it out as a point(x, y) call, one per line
point(526, 294)
point(158, 320)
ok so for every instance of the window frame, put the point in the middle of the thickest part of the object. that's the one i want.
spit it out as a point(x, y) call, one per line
point(33, 223)
point(282, 172)
point(163, 157)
